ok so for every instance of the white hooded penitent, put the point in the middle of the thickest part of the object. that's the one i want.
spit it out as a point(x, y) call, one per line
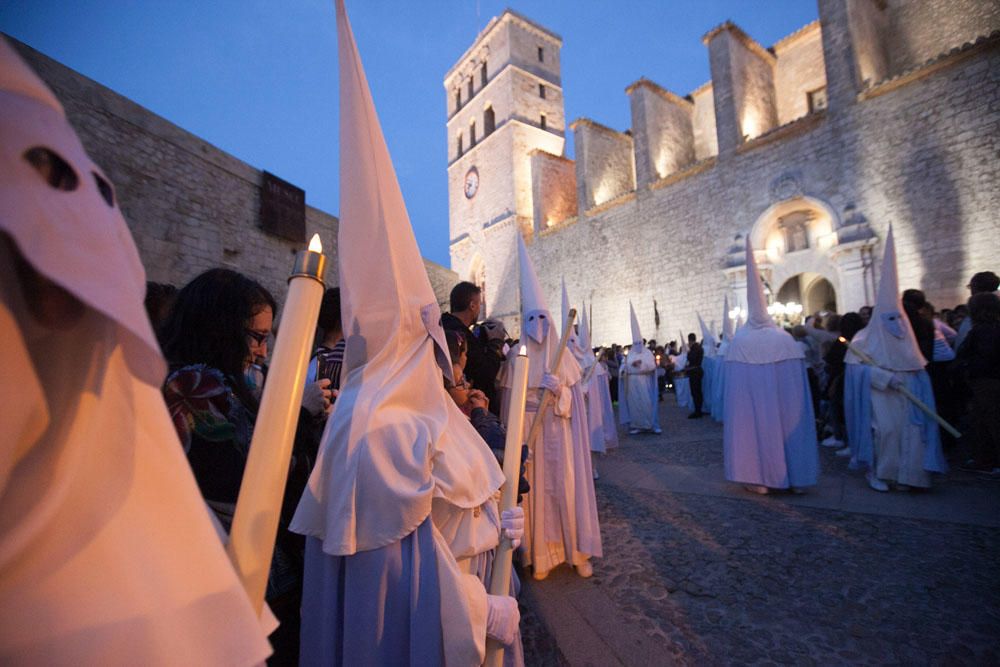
point(727, 322)
point(636, 332)
point(395, 440)
point(709, 337)
point(107, 551)
point(574, 342)
point(889, 338)
point(585, 344)
point(536, 319)
point(760, 341)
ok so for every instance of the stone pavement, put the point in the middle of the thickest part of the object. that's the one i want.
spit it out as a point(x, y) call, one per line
point(697, 571)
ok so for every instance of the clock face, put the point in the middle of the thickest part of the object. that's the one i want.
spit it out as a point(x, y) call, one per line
point(471, 183)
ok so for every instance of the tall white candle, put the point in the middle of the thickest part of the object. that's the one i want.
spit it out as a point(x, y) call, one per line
point(255, 523)
point(500, 584)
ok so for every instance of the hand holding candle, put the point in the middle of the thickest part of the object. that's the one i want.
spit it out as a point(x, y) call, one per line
point(255, 523)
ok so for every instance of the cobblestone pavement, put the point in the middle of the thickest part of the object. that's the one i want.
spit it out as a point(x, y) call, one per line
point(721, 576)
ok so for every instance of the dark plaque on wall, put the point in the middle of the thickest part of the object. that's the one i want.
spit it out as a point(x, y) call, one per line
point(282, 209)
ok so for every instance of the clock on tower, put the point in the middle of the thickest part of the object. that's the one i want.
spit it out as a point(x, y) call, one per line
point(471, 183)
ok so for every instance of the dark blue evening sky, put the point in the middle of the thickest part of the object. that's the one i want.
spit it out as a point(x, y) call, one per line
point(258, 78)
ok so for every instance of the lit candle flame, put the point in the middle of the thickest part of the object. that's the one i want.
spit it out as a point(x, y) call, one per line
point(523, 352)
point(842, 339)
point(315, 245)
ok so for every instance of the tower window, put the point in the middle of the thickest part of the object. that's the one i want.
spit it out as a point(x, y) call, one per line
point(472, 134)
point(470, 88)
point(542, 123)
point(817, 99)
point(460, 147)
point(541, 90)
point(458, 99)
point(489, 121)
point(541, 54)
point(482, 74)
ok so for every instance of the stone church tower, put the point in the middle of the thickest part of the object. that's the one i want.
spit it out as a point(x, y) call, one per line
point(504, 103)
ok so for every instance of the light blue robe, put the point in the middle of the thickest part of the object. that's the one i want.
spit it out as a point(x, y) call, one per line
point(708, 366)
point(378, 607)
point(858, 417)
point(642, 382)
point(718, 389)
point(769, 428)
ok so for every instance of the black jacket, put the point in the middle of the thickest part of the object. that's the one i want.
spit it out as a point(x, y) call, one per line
point(483, 362)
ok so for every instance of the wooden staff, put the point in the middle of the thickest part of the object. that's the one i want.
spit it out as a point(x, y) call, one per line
point(500, 583)
point(904, 391)
point(547, 397)
point(590, 371)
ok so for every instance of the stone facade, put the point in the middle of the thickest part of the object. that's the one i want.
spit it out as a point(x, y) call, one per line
point(189, 205)
point(879, 113)
point(523, 90)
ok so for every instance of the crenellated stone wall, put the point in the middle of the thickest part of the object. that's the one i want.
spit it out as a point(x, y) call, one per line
point(662, 129)
point(798, 72)
point(605, 164)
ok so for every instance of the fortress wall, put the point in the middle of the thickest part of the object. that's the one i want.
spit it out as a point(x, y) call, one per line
point(605, 165)
point(663, 131)
point(920, 30)
point(921, 156)
point(799, 70)
point(869, 25)
point(706, 143)
point(553, 189)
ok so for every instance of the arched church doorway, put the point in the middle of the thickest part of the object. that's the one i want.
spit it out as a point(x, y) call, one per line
point(811, 290)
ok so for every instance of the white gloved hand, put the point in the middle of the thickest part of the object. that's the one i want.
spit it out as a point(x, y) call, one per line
point(550, 382)
point(896, 382)
point(316, 397)
point(512, 524)
point(502, 618)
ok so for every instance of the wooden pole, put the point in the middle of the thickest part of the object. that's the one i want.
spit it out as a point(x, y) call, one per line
point(590, 371)
point(904, 391)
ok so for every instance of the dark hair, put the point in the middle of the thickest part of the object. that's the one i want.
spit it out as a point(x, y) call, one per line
point(984, 281)
point(850, 324)
point(456, 344)
point(461, 296)
point(329, 311)
point(984, 307)
point(914, 298)
point(207, 324)
point(160, 299)
point(692, 338)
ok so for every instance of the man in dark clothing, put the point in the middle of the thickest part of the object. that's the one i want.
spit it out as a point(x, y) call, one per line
point(484, 355)
point(979, 358)
point(695, 374)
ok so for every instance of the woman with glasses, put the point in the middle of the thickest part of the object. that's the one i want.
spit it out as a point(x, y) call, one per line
point(216, 340)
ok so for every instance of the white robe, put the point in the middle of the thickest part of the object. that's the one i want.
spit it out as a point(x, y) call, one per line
point(899, 443)
point(640, 390)
point(561, 524)
point(600, 413)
